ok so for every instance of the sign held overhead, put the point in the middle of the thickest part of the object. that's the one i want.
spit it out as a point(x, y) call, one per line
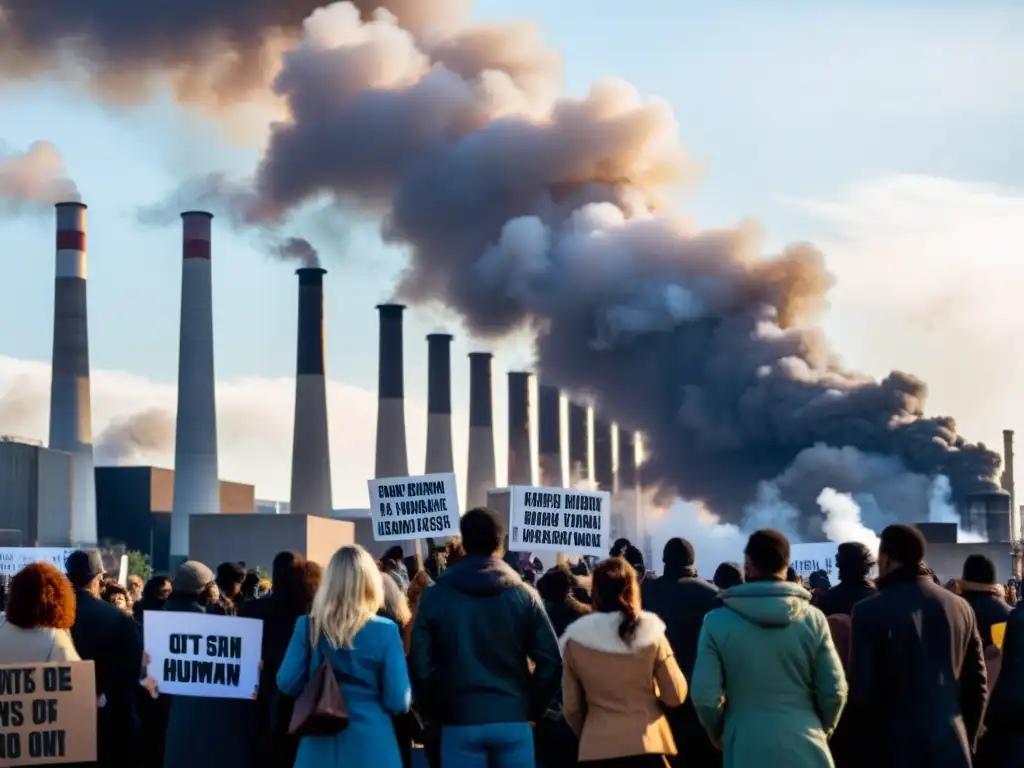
point(559, 519)
point(414, 507)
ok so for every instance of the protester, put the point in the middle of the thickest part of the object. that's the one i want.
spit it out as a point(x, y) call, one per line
point(619, 671)
point(40, 611)
point(918, 672)
point(619, 547)
point(134, 588)
point(854, 562)
point(154, 594)
point(117, 596)
point(250, 589)
point(681, 599)
point(1011, 592)
point(366, 653)
point(475, 633)
point(980, 588)
point(845, 750)
point(793, 577)
point(230, 577)
point(1003, 742)
point(110, 639)
point(768, 685)
point(396, 608)
point(393, 563)
point(556, 591)
point(727, 576)
point(635, 558)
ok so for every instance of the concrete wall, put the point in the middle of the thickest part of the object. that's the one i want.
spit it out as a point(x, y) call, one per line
point(53, 500)
point(947, 560)
point(235, 498)
point(363, 526)
point(35, 495)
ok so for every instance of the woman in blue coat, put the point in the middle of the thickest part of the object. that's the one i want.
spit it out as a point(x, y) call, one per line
point(368, 659)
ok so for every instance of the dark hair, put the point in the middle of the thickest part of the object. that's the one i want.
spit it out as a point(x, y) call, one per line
point(111, 590)
point(555, 585)
point(979, 569)
point(854, 560)
point(792, 576)
point(41, 596)
point(481, 531)
point(635, 557)
point(903, 544)
point(728, 575)
point(230, 573)
point(619, 547)
point(250, 585)
point(615, 588)
point(395, 553)
point(154, 587)
point(768, 551)
point(283, 561)
point(299, 586)
point(677, 553)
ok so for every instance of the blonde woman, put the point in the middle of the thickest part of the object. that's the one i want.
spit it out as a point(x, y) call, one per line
point(366, 653)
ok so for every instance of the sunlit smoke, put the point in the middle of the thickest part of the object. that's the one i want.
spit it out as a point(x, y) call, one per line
point(33, 180)
point(135, 438)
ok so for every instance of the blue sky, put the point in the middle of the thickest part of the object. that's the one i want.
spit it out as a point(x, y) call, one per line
point(805, 114)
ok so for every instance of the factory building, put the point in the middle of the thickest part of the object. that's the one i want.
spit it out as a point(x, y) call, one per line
point(36, 495)
point(135, 503)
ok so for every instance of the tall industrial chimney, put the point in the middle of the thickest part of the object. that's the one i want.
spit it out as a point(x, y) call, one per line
point(311, 448)
point(1007, 481)
point(520, 451)
point(196, 480)
point(579, 442)
point(549, 435)
point(392, 455)
point(439, 403)
point(70, 394)
point(480, 467)
point(604, 463)
point(628, 464)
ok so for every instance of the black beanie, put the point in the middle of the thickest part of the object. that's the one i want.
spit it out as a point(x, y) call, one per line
point(677, 553)
point(979, 569)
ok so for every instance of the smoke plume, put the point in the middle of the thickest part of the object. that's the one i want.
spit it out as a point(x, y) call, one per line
point(297, 249)
point(134, 438)
point(34, 179)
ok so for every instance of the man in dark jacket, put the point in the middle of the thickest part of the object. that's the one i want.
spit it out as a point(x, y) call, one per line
point(854, 562)
point(230, 577)
point(981, 590)
point(1003, 743)
point(681, 599)
point(110, 639)
point(474, 636)
point(917, 679)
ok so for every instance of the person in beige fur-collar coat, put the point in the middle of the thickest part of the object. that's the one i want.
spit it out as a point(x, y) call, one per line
point(618, 673)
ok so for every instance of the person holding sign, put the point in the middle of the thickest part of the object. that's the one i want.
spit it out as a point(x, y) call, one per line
point(40, 611)
point(365, 652)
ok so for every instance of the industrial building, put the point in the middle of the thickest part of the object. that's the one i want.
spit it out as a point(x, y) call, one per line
point(36, 495)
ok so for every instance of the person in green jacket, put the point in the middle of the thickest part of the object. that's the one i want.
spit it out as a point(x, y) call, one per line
point(768, 685)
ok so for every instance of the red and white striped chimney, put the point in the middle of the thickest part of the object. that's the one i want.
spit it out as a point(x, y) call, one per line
point(549, 435)
point(196, 477)
point(480, 464)
point(439, 404)
point(70, 391)
point(520, 450)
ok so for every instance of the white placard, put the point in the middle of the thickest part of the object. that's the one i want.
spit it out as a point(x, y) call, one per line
point(414, 507)
point(200, 654)
point(559, 520)
point(13, 559)
point(805, 559)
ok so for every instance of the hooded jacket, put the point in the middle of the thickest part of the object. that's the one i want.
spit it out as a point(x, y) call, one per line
point(768, 685)
point(475, 632)
point(989, 607)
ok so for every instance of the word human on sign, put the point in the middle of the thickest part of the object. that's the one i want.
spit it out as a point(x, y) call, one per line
point(559, 519)
point(414, 507)
point(47, 713)
point(198, 654)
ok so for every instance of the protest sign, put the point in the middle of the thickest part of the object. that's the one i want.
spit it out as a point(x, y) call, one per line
point(13, 559)
point(560, 520)
point(805, 559)
point(200, 654)
point(414, 507)
point(47, 713)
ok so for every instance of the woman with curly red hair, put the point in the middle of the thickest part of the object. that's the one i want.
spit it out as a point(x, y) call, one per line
point(40, 611)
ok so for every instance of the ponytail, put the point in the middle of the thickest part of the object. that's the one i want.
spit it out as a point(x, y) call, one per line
point(629, 623)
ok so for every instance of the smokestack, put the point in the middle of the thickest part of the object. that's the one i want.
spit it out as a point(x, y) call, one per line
point(480, 468)
point(1007, 479)
point(439, 403)
point(311, 449)
point(392, 456)
point(196, 480)
point(70, 395)
point(549, 435)
point(579, 442)
point(604, 463)
point(520, 452)
point(628, 464)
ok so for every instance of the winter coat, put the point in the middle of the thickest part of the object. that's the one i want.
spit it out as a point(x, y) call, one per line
point(847, 593)
point(375, 684)
point(988, 605)
point(564, 612)
point(38, 644)
point(768, 685)
point(917, 678)
point(682, 600)
point(1003, 743)
point(474, 635)
point(207, 733)
point(612, 692)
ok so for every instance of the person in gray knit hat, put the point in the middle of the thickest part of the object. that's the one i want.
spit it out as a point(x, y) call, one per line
point(192, 578)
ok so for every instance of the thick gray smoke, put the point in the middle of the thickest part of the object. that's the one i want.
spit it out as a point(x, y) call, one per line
point(136, 437)
point(520, 208)
point(34, 180)
point(297, 249)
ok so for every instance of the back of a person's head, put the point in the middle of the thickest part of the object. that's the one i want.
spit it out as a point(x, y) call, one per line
point(283, 562)
point(678, 553)
point(853, 561)
point(230, 573)
point(819, 580)
point(40, 595)
point(635, 557)
point(395, 554)
point(728, 575)
point(555, 585)
point(619, 547)
point(615, 588)
point(768, 552)
point(979, 570)
point(902, 545)
point(350, 594)
point(396, 604)
point(481, 532)
point(298, 586)
point(157, 588)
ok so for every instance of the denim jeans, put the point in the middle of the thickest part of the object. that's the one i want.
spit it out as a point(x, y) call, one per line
point(494, 745)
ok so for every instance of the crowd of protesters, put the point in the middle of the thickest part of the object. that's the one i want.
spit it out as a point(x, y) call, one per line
point(480, 659)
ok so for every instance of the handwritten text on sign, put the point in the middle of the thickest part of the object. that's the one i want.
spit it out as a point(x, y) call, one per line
point(806, 559)
point(414, 507)
point(559, 519)
point(47, 713)
point(199, 654)
point(13, 559)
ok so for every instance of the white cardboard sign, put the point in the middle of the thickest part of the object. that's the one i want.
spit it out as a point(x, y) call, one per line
point(559, 520)
point(414, 507)
point(805, 559)
point(13, 559)
point(200, 654)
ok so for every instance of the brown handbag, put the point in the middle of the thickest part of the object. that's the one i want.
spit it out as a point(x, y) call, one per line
point(320, 709)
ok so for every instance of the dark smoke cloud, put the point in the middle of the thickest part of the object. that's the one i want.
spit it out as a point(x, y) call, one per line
point(135, 437)
point(33, 180)
point(297, 249)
